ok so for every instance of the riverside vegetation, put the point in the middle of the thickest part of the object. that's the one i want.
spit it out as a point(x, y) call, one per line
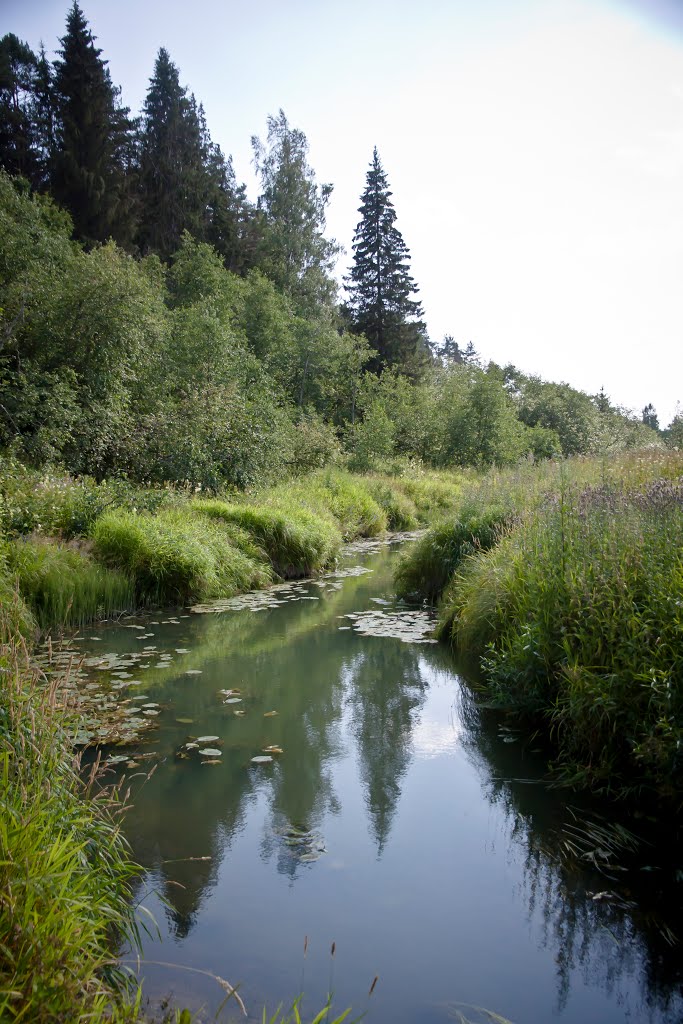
point(565, 583)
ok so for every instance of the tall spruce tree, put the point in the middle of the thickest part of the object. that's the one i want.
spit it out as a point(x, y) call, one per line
point(379, 284)
point(174, 185)
point(92, 134)
point(294, 252)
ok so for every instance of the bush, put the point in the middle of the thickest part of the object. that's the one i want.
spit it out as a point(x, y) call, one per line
point(431, 562)
point(578, 617)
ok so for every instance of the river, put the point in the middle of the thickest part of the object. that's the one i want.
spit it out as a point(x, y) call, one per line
point(395, 830)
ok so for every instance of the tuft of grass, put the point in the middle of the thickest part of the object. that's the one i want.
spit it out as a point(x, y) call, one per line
point(66, 875)
point(296, 540)
point(399, 509)
point(63, 585)
point(432, 561)
point(177, 556)
point(338, 495)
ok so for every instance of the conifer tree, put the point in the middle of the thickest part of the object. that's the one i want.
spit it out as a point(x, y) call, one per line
point(18, 69)
point(91, 138)
point(294, 252)
point(174, 186)
point(379, 285)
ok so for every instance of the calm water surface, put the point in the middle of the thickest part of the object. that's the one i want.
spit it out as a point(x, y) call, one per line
point(396, 823)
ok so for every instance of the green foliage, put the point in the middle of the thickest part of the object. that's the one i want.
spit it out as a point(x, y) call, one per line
point(346, 498)
point(293, 250)
point(176, 557)
point(380, 286)
point(399, 509)
point(62, 585)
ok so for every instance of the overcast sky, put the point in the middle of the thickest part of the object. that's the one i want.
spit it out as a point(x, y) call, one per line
point(534, 149)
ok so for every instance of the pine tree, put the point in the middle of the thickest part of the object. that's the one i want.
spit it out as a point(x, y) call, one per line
point(293, 251)
point(91, 138)
point(379, 285)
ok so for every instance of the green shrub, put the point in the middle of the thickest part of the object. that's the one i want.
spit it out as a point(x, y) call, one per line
point(63, 585)
point(66, 875)
point(578, 617)
point(397, 506)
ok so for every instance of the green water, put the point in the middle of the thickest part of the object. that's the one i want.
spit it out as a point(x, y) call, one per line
point(401, 823)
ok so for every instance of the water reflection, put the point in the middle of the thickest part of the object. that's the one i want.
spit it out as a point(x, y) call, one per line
point(390, 776)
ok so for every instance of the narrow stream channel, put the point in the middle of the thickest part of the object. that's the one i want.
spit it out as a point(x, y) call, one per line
point(397, 822)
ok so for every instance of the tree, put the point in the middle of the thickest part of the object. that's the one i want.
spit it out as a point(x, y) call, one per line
point(92, 138)
point(18, 69)
point(649, 417)
point(380, 287)
point(452, 353)
point(294, 252)
point(173, 184)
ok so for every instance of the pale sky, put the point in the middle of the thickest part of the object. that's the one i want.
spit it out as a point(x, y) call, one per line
point(534, 149)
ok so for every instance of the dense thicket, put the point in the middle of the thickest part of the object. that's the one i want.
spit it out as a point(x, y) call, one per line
point(155, 324)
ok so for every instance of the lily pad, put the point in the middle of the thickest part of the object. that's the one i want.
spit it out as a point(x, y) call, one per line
point(270, 714)
point(185, 721)
point(210, 752)
point(207, 739)
point(261, 759)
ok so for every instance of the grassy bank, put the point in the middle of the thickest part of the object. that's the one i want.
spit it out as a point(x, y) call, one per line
point(75, 550)
point(571, 598)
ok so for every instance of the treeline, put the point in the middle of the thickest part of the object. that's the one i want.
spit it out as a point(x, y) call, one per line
point(157, 324)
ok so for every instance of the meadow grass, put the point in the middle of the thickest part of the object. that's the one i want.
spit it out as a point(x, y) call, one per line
point(575, 614)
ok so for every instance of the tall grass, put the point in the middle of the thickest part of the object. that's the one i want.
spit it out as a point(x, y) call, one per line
point(577, 618)
point(63, 585)
point(65, 870)
point(297, 541)
point(176, 556)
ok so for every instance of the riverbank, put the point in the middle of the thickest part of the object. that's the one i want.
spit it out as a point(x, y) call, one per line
point(565, 584)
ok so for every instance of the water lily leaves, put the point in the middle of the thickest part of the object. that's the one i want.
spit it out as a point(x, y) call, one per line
point(191, 746)
point(239, 714)
point(193, 672)
point(233, 700)
point(212, 760)
point(261, 759)
point(185, 721)
point(270, 714)
point(117, 759)
point(210, 752)
point(150, 712)
point(273, 749)
point(207, 739)
point(182, 650)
